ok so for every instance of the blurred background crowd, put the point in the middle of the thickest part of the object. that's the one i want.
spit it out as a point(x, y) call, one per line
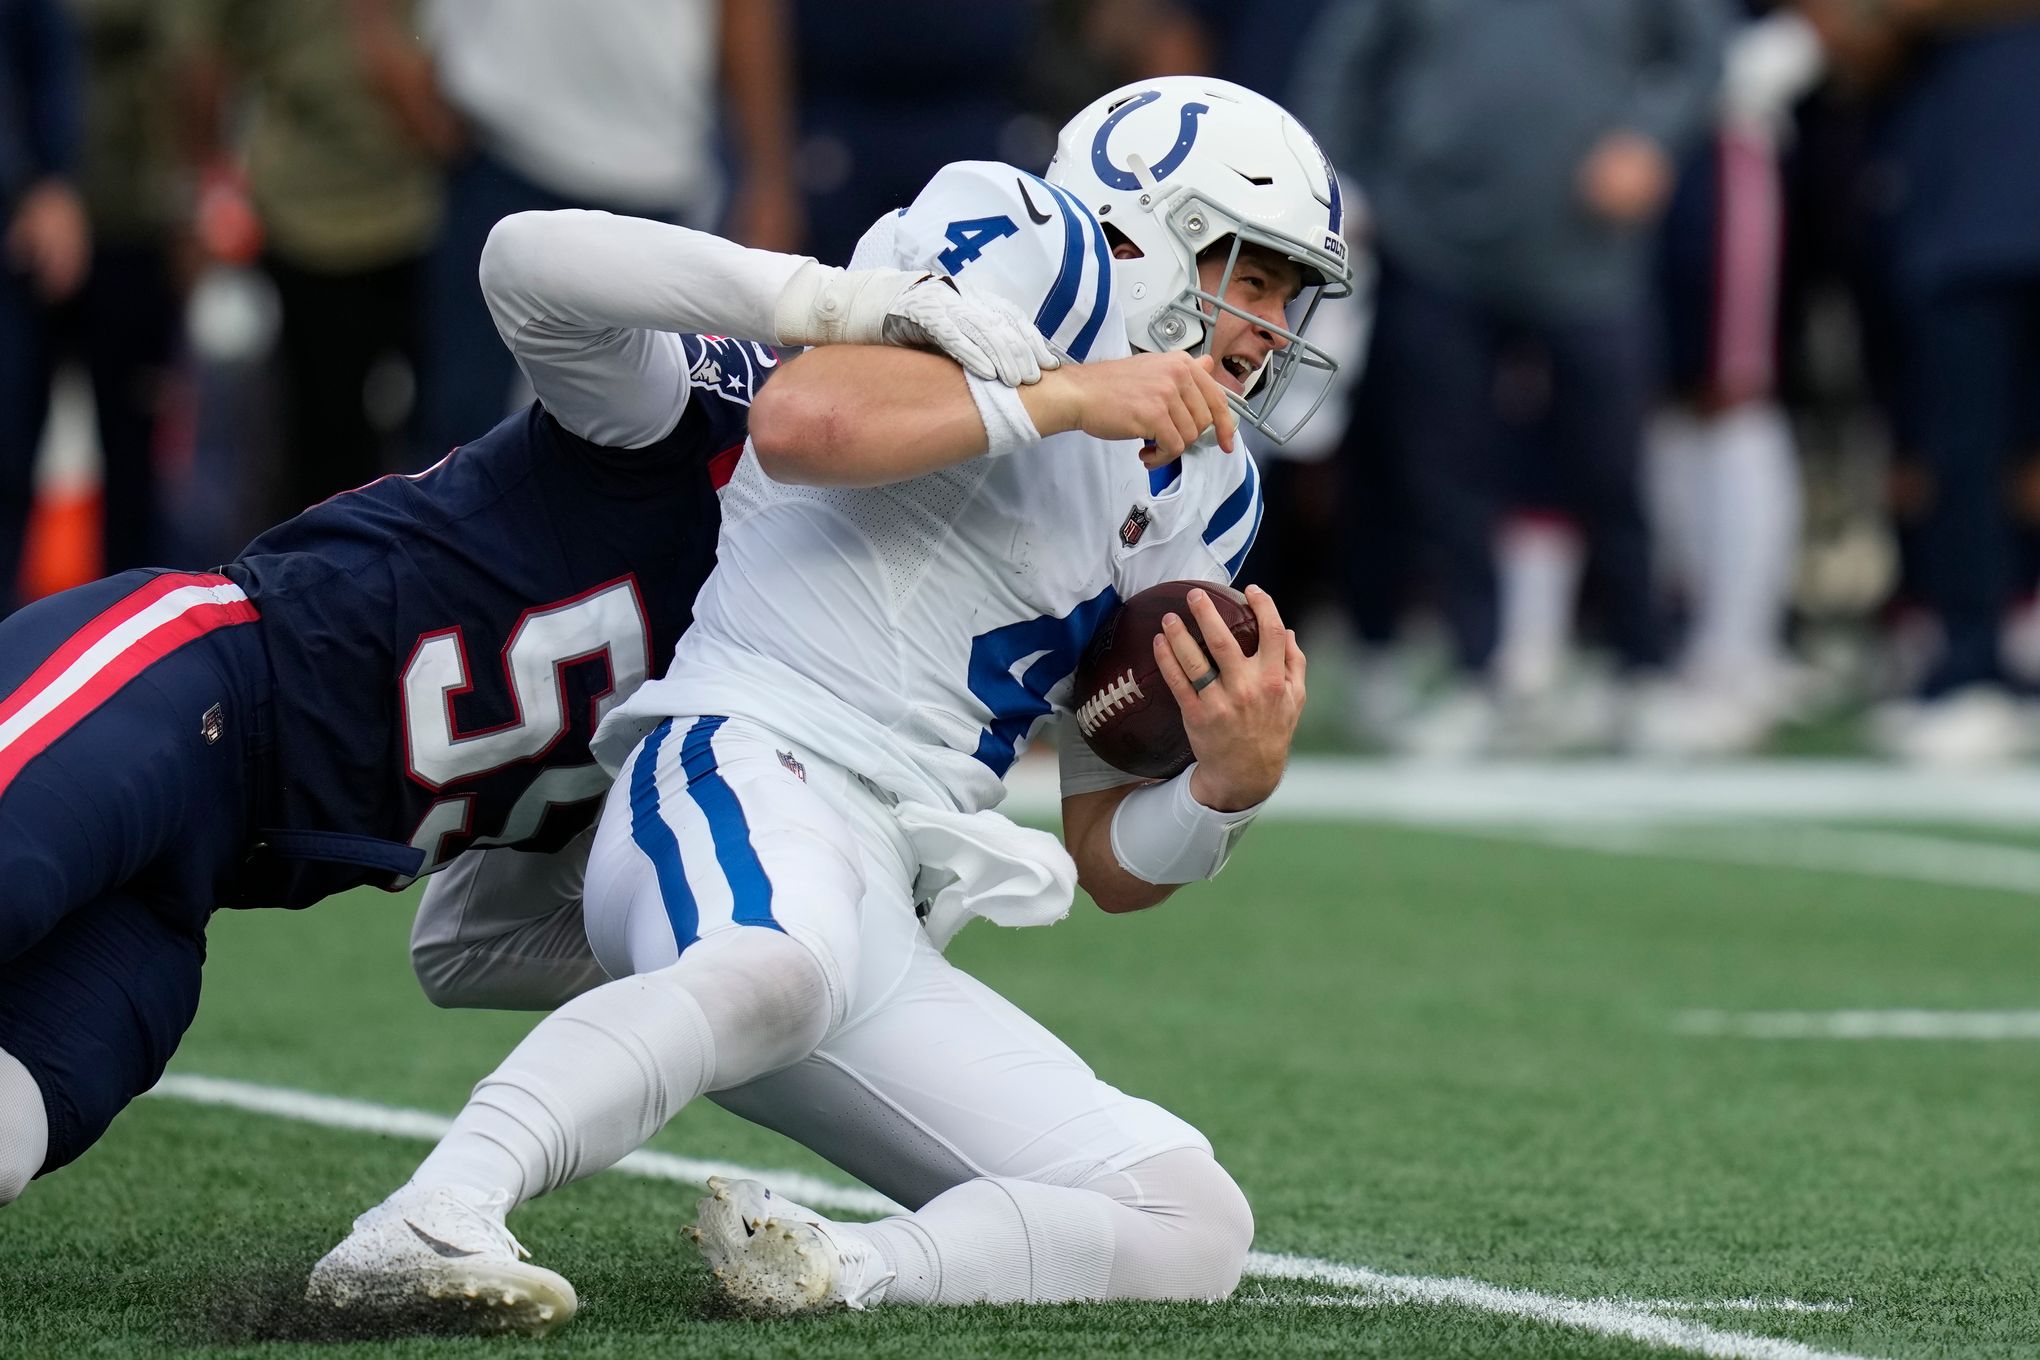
point(1689, 409)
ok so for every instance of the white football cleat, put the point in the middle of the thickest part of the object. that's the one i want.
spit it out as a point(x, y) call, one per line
point(770, 1255)
point(427, 1252)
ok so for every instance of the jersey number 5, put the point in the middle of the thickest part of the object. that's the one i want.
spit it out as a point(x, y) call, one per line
point(607, 623)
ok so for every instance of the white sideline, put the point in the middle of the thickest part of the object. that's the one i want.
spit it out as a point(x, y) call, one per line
point(1940, 860)
point(1607, 1317)
point(1570, 792)
point(1760, 814)
point(1883, 1024)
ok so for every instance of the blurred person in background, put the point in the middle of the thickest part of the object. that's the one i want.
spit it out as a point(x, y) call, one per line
point(124, 326)
point(48, 242)
point(1514, 160)
point(1723, 476)
point(614, 105)
point(327, 108)
point(891, 92)
point(1956, 185)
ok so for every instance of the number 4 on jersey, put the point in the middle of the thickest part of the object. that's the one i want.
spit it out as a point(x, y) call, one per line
point(968, 239)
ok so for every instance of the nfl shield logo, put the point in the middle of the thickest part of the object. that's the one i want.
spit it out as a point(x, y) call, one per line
point(212, 725)
point(1137, 521)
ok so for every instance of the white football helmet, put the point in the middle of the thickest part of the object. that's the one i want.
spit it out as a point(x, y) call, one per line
point(1180, 164)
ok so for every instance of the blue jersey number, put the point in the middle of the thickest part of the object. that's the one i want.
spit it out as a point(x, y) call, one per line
point(1013, 668)
point(968, 239)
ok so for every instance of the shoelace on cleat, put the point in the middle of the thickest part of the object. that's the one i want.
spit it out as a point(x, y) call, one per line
point(492, 1225)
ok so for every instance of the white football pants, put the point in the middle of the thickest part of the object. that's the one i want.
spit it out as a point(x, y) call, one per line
point(930, 1078)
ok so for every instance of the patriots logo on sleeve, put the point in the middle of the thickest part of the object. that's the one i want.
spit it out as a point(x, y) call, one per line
point(729, 368)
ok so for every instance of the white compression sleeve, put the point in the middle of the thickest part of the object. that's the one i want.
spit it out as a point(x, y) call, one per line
point(593, 306)
point(1161, 834)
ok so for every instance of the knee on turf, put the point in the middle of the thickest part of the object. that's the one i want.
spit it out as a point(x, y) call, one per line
point(1205, 1228)
point(767, 997)
point(24, 1130)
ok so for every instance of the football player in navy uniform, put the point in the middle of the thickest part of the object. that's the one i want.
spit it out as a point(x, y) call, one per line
point(403, 672)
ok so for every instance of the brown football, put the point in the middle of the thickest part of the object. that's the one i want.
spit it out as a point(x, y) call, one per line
point(1123, 706)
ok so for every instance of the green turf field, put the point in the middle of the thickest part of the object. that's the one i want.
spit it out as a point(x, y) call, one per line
point(1446, 1067)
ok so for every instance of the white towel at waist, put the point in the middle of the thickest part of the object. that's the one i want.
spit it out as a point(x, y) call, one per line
point(983, 864)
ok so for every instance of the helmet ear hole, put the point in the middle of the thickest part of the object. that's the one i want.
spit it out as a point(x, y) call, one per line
point(1123, 247)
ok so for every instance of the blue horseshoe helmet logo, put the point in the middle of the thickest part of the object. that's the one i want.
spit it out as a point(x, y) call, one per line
point(1186, 133)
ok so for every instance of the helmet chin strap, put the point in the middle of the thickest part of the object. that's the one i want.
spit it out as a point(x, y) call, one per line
point(1137, 164)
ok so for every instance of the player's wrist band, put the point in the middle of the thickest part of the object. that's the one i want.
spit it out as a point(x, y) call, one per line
point(825, 306)
point(1161, 834)
point(1008, 427)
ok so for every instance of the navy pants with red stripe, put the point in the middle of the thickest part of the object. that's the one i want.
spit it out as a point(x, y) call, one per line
point(131, 715)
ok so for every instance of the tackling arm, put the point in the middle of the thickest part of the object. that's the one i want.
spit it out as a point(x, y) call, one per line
point(593, 306)
point(858, 416)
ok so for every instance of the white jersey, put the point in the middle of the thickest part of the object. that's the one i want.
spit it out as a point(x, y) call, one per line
point(918, 633)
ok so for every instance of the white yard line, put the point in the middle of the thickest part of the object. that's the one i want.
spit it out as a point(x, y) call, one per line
point(1749, 1305)
point(1607, 1317)
point(1882, 1024)
point(338, 1112)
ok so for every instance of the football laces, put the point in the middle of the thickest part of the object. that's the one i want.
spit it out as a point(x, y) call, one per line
point(1117, 694)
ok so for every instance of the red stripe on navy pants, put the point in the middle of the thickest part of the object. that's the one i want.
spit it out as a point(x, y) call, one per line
point(187, 625)
point(90, 635)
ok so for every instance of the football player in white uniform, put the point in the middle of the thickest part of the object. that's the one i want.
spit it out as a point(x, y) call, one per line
point(897, 607)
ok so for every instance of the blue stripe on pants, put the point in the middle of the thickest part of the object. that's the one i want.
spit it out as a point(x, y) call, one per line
point(657, 840)
point(750, 889)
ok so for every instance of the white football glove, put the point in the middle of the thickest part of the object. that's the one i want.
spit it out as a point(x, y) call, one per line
point(986, 334)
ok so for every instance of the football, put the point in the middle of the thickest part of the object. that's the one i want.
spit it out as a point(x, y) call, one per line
point(1123, 706)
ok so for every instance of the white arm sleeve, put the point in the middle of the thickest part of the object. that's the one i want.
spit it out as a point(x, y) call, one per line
point(593, 306)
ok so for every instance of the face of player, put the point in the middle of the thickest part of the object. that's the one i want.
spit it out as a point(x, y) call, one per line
point(1262, 284)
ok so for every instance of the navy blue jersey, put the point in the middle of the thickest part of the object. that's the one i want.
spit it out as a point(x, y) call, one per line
point(444, 644)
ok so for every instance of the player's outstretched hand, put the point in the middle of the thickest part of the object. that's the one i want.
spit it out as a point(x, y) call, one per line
point(1242, 719)
point(986, 334)
point(1168, 399)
